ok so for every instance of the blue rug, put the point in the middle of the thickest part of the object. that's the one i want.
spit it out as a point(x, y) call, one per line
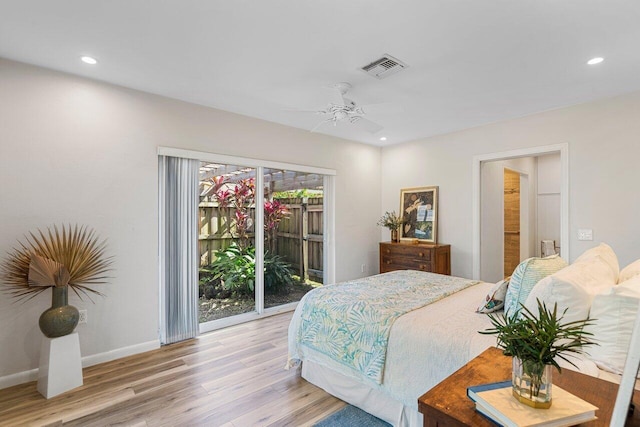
point(350, 416)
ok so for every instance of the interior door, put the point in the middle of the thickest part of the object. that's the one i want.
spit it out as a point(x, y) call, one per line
point(511, 221)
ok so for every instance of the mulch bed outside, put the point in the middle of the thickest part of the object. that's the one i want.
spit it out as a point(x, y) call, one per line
point(218, 308)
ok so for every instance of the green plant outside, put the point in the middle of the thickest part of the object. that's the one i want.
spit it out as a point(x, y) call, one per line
point(294, 194)
point(235, 268)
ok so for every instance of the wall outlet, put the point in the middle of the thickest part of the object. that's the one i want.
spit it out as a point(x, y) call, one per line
point(585, 234)
point(83, 316)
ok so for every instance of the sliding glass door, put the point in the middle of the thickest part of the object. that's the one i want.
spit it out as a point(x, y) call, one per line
point(262, 238)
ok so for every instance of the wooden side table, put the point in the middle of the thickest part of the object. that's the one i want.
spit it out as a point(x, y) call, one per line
point(434, 258)
point(447, 403)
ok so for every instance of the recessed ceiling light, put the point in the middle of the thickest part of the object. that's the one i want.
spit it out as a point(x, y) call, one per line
point(594, 61)
point(384, 138)
point(89, 60)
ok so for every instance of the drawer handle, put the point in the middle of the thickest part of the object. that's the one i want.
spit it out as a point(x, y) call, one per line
point(421, 254)
point(388, 251)
point(388, 261)
point(422, 266)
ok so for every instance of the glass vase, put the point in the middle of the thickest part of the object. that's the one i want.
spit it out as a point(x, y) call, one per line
point(531, 381)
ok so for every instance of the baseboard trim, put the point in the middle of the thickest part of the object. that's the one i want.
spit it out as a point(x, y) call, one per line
point(94, 359)
point(118, 353)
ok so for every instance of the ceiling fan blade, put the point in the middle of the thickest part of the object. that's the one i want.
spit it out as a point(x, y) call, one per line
point(321, 123)
point(338, 91)
point(297, 110)
point(382, 108)
point(336, 97)
point(366, 124)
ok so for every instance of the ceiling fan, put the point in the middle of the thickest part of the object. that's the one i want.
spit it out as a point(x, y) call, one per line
point(342, 109)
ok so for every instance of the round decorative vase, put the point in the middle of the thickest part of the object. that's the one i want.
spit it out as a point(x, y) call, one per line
point(531, 381)
point(61, 319)
point(394, 235)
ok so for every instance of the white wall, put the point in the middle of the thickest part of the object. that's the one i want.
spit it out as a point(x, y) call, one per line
point(604, 147)
point(74, 150)
point(492, 214)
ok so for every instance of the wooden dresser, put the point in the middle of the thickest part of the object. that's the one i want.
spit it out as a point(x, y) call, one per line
point(411, 256)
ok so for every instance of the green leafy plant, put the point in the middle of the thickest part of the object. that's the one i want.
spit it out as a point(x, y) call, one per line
point(390, 220)
point(293, 194)
point(539, 340)
point(277, 274)
point(235, 267)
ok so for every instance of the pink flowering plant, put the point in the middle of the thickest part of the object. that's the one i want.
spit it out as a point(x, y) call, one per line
point(240, 197)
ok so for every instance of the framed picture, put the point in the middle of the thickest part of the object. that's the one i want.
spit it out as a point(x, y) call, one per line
point(419, 210)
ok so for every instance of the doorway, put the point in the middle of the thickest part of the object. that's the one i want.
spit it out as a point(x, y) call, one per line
point(482, 224)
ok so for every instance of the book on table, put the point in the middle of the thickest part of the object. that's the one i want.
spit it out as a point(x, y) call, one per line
point(496, 402)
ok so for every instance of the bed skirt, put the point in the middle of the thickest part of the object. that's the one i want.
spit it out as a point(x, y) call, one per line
point(370, 400)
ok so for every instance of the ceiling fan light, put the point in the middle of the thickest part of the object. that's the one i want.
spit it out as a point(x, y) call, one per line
point(89, 60)
point(594, 61)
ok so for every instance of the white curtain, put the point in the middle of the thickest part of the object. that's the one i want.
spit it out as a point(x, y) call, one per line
point(178, 200)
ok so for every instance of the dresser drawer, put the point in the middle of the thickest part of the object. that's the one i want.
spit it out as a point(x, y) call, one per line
point(398, 263)
point(422, 257)
point(407, 251)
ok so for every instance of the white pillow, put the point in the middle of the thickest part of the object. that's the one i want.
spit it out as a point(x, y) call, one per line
point(629, 271)
point(613, 314)
point(573, 288)
point(629, 288)
point(606, 253)
point(524, 278)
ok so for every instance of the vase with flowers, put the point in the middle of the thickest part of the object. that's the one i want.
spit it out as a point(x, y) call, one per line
point(58, 259)
point(536, 342)
point(393, 222)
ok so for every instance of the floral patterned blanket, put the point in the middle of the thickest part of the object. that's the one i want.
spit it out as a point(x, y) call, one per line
point(351, 321)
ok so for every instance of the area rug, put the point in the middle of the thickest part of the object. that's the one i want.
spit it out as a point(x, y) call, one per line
point(350, 416)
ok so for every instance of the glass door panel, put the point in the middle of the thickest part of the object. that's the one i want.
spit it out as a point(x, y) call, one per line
point(226, 239)
point(293, 230)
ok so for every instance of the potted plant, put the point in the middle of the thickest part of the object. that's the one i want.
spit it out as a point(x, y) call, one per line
point(536, 342)
point(393, 222)
point(58, 259)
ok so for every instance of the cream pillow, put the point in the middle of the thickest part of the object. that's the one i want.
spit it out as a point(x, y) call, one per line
point(629, 271)
point(524, 278)
point(606, 253)
point(613, 314)
point(573, 288)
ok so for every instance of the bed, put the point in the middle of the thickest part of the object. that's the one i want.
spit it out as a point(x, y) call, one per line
point(435, 336)
point(425, 345)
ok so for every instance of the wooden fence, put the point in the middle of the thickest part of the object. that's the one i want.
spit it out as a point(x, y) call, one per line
point(299, 237)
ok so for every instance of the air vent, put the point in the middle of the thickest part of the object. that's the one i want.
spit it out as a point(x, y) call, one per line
point(384, 67)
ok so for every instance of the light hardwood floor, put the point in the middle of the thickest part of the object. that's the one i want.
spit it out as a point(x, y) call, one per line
point(233, 377)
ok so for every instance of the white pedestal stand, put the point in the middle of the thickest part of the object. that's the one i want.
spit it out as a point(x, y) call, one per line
point(60, 365)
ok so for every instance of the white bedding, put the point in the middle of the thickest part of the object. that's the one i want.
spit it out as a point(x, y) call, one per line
point(414, 364)
point(425, 346)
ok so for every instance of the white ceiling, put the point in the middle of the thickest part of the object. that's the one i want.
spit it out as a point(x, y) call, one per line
point(471, 62)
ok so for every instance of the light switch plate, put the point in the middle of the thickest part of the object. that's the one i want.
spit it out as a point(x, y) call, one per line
point(585, 234)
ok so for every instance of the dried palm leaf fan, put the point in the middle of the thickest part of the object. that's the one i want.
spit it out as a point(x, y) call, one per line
point(58, 259)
